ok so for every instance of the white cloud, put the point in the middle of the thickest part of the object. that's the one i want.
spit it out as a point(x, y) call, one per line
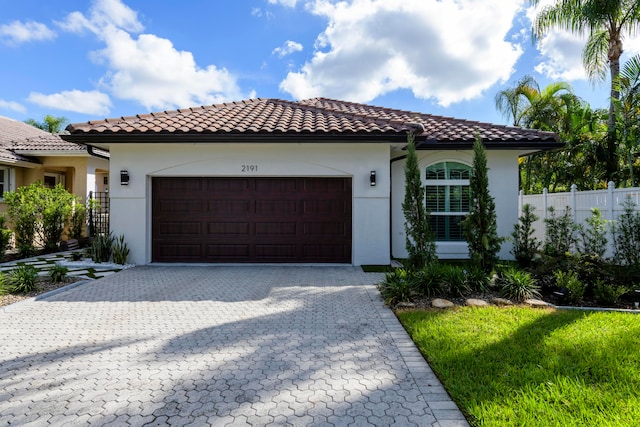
point(22, 32)
point(91, 102)
point(13, 106)
point(287, 48)
point(562, 53)
point(287, 3)
point(146, 68)
point(448, 50)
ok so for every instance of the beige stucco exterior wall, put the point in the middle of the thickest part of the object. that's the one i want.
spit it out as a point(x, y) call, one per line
point(131, 204)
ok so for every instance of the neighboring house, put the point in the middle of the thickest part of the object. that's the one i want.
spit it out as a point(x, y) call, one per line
point(29, 154)
point(314, 181)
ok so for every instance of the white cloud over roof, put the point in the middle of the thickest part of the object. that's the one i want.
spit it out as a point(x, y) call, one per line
point(87, 102)
point(17, 32)
point(449, 50)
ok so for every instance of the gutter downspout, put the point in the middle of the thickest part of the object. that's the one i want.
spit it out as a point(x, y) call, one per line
point(90, 150)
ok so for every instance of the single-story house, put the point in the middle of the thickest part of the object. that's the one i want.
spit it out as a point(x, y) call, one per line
point(29, 154)
point(313, 181)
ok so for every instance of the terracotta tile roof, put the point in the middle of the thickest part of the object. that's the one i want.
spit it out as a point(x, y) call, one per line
point(318, 117)
point(18, 138)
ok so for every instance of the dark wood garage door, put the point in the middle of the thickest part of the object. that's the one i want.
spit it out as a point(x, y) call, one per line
point(251, 220)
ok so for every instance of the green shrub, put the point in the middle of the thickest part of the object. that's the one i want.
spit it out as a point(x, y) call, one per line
point(5, 237)
point(517, 285)
point(58, 273)
point(120, 251)
point(78, 220)
point(570, 282)
point(560, 234)
point(626, 235)
point(454, 280)
point(4, 284)
point(398, 286)
point(593, 236)
point(525, 245)
point(608, 294)
point(23, 279)
point(428, 280)
point(101, 247)
point(477, 279)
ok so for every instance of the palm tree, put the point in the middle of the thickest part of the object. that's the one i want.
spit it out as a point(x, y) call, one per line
point(50, 123)
point(605, 22)
point(510, 101)
point(628, 106)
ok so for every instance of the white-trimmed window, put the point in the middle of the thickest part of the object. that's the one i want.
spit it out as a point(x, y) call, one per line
point(51, 179)
point(448, 199)
point(6, 181)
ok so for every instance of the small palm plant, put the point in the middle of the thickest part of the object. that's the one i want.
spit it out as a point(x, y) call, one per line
point(518, 285)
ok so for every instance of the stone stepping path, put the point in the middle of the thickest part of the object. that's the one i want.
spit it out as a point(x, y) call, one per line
point(84, 269)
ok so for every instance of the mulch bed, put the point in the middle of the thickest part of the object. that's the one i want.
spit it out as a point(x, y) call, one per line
point(44, 285)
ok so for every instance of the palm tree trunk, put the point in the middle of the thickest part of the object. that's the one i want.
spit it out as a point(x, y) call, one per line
point(612, 147)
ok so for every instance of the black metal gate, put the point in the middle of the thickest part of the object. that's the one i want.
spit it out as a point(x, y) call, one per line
point(98, 213)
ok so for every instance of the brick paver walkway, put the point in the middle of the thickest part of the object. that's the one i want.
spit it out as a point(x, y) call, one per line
point(166, 345)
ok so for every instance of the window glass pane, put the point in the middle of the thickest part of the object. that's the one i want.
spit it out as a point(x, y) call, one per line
point(3, 174)
point(437, 171)
point(458, 170)
point(447, 228)
point(436, 198)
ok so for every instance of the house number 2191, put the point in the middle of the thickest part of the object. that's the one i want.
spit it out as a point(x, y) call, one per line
point(249, 168)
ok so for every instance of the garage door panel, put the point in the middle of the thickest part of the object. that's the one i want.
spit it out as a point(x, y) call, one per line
point(228, 251)
point(276, 228)
point(251, 220)
point(180, 252)
point(176, 206)
point(228, 228)
point(277, 207)
point(229, 207)
point(179, 228)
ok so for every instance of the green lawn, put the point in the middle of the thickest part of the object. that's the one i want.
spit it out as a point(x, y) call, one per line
point(528, 367)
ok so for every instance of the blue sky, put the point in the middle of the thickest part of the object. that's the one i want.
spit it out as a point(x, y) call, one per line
point(87, 60)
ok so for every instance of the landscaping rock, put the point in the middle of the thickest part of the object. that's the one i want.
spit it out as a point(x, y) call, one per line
point(405, 304)
point(501, 301)
point(537, 303)
point(474, 302)
point(442, 303)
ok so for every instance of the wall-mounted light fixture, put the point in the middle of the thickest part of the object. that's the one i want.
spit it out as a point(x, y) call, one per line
point(124, 177)
point(372, 178)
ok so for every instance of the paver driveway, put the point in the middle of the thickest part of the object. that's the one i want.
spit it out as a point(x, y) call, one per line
point(167, 345)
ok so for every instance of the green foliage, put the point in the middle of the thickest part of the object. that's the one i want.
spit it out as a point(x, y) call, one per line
point(5, 237)
point(78, 220)
point(607, 293)
point(516, 366)
point(560, 234)
point(38, 211)
point(517, 285)
point(480, 225)
point(398, 286)
point(428, 280)
point(120, 250)
point(4, 284)
point(569, 281)
point(454, 280)
point(593, 236)
point(420, 242)
point(49, 124)
point(101, 247)
point(626, 235)
point(525, 245)
point(58, 273)
point(23, 279)
point(477, 279)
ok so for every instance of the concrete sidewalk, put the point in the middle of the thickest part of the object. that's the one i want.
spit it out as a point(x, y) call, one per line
point(254, 345)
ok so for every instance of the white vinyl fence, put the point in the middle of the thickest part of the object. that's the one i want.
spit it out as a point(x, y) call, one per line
point(609, 202)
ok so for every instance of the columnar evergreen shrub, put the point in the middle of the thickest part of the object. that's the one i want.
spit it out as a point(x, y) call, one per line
point(480, 225)
point(420, 241)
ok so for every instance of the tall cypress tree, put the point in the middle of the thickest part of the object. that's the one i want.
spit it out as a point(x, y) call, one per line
point(419, 238)
point(480, 225)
